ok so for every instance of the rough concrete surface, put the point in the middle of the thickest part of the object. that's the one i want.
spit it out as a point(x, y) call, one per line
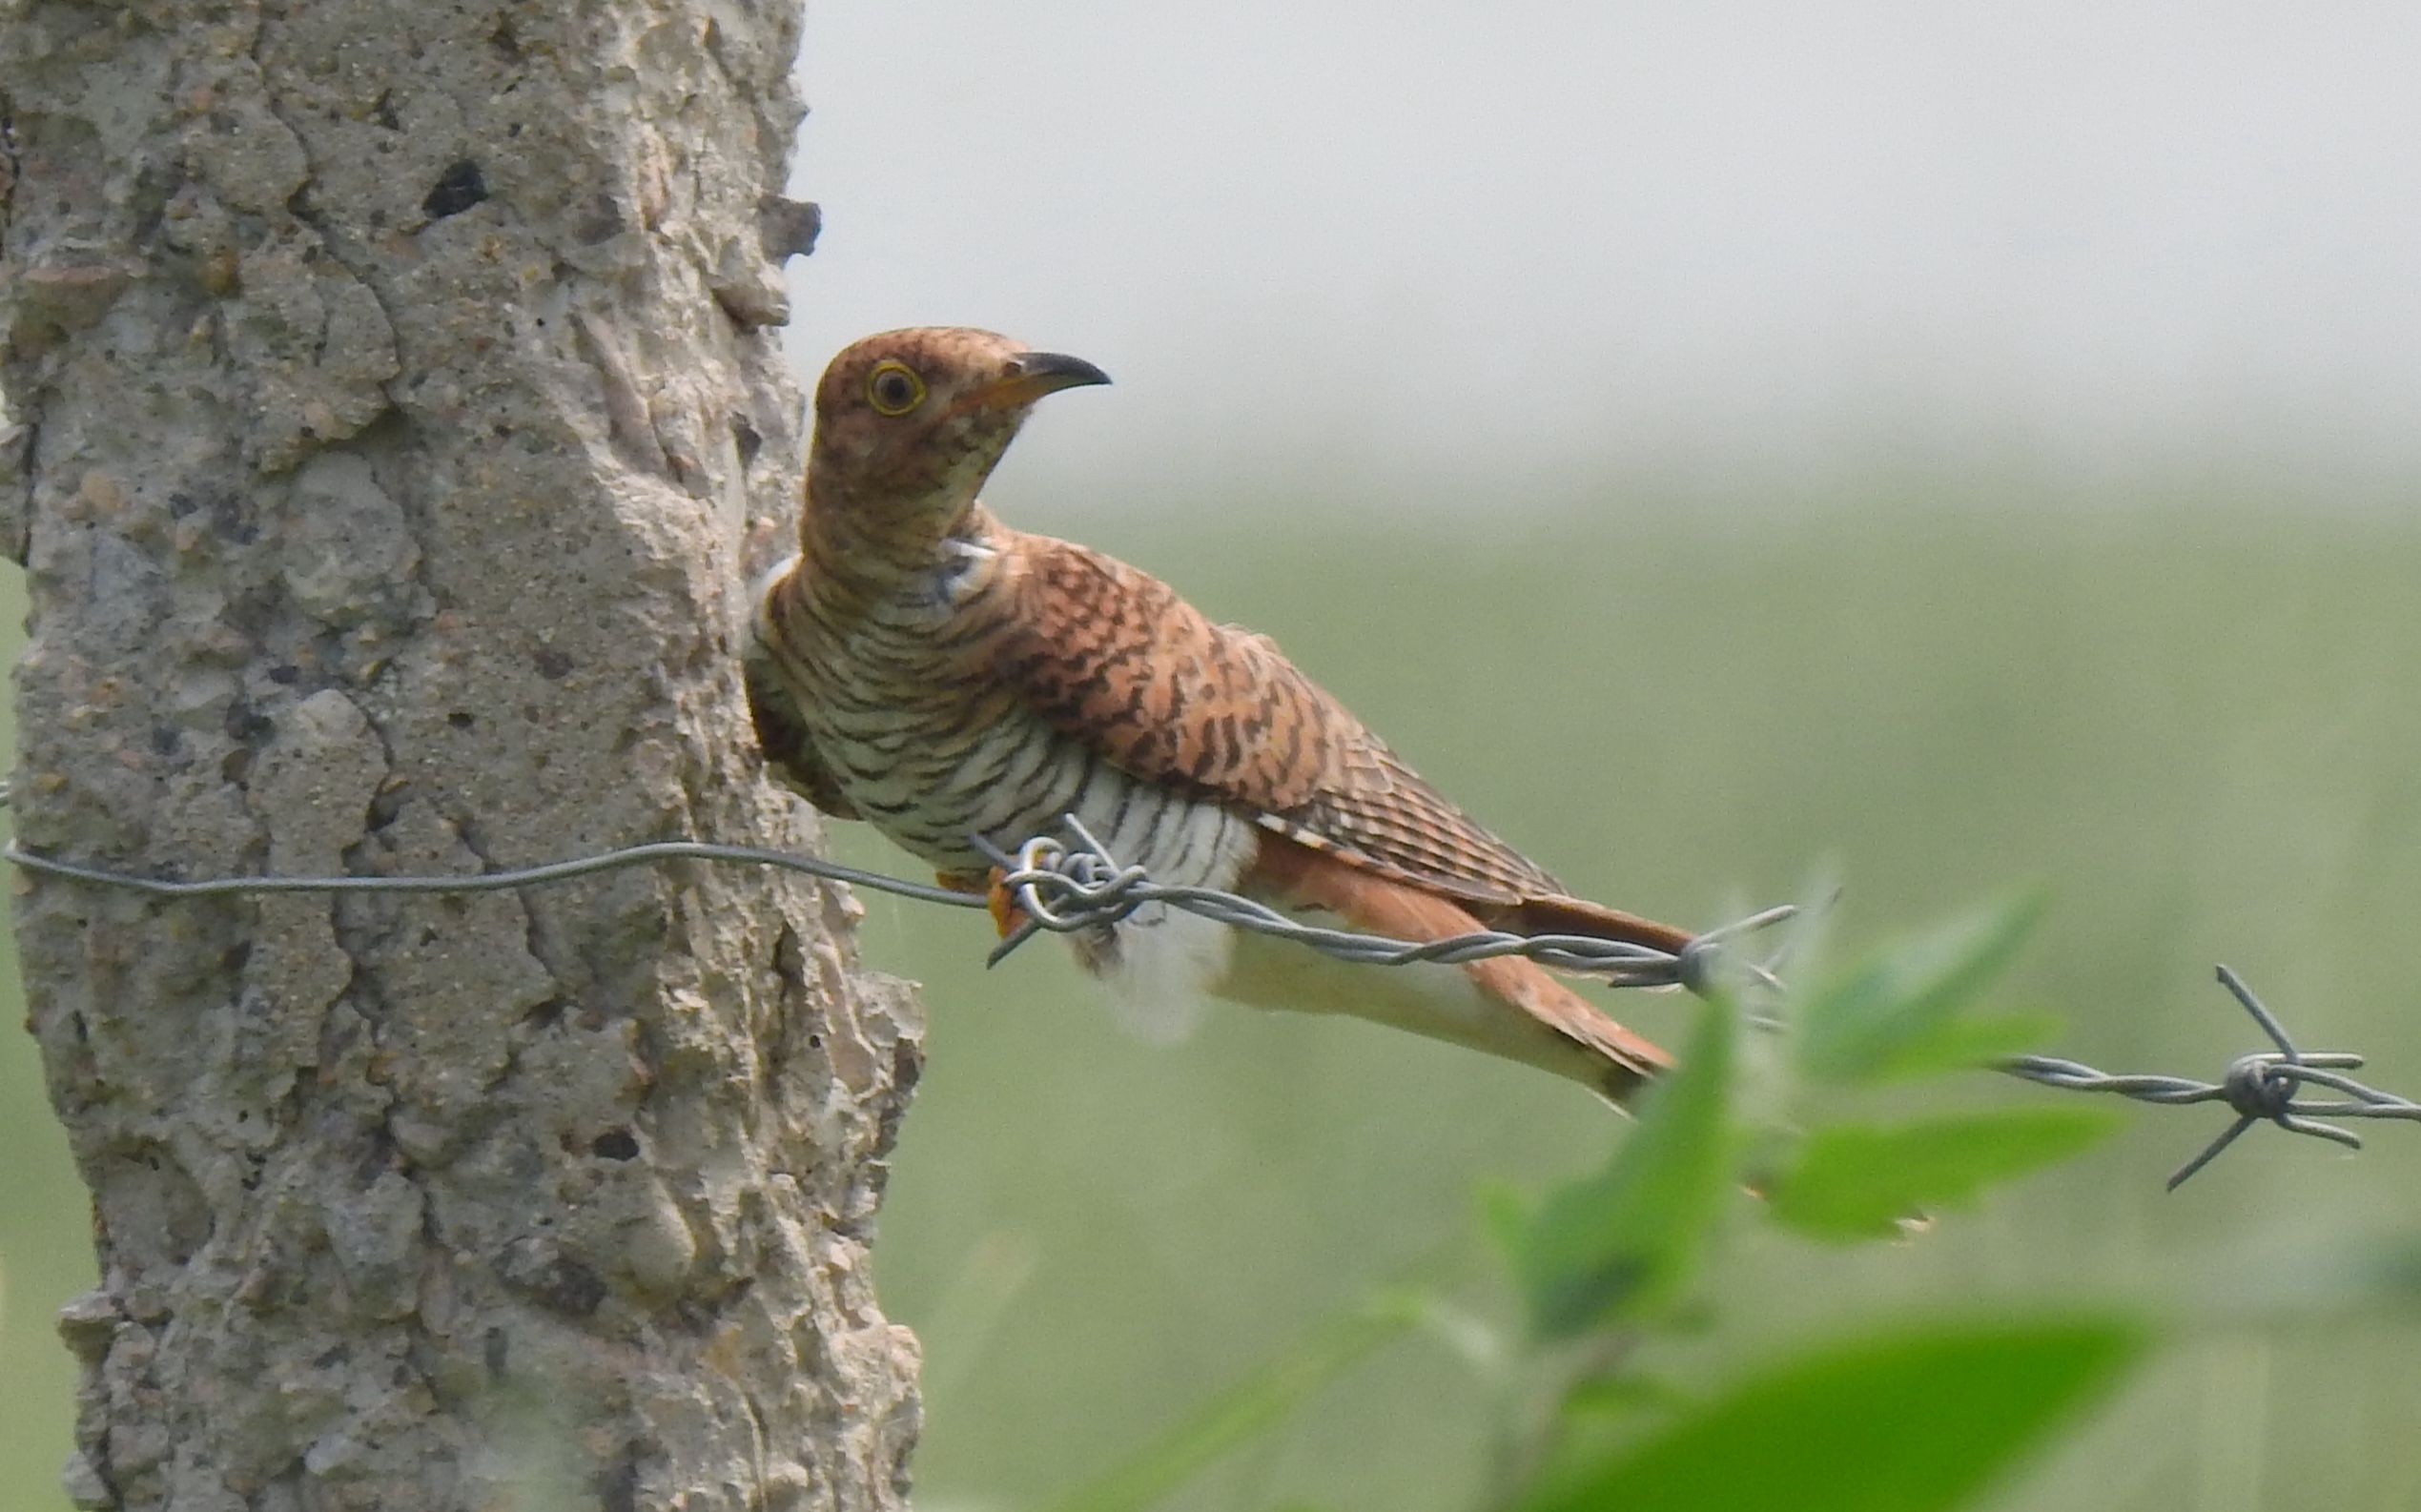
point(392, 395)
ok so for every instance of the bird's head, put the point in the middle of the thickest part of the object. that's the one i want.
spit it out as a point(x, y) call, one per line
point(909, 423)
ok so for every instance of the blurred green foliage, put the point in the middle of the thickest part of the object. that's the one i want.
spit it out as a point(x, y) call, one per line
point(1900, 1008)
point(1860, 1180)
point(1916, 1419)
point(1625, 1241)
point(2192, 717)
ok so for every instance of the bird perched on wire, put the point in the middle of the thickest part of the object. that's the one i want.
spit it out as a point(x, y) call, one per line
point(921, 665)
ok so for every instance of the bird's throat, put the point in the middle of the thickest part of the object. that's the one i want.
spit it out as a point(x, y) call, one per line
point(898, 564)
point(876, 541)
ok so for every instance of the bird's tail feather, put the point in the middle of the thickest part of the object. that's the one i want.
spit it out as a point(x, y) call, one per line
point(1556, 914)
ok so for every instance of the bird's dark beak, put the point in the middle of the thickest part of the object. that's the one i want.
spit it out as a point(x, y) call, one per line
point(1030, 374)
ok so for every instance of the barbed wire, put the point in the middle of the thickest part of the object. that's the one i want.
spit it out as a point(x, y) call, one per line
point(1062, 889)
point(1073, 885)
point(2261, 1087)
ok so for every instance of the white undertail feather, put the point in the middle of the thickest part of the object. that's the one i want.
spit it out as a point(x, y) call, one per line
point(1434, 1001)
point(1163, 960)
point(1161, 973)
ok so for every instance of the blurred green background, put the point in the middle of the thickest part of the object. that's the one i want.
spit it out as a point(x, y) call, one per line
point(2190, 710)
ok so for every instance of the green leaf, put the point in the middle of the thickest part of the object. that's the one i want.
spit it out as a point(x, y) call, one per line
point(1625, 1239)
point(1910, 1421)
point(1602, 1414)
point(1891, 1005)
point(1967, 1042)
point(1623, 1396)
point(1248, 1407)
point(1856, 1181)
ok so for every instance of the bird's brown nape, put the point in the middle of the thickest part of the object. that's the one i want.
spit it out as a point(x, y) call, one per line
point(909, 424)
point(953, 354)
point(891, 437)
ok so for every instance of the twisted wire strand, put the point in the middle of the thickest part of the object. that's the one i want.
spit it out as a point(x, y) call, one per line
point(1073, 885)
point(504, 881)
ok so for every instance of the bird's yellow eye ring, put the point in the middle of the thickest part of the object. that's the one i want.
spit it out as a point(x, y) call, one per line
point(893, 387)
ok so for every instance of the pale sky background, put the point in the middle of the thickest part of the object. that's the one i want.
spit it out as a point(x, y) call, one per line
point(1424, 247)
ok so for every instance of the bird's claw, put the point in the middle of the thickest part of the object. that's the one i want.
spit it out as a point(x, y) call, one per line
point(1007, 915)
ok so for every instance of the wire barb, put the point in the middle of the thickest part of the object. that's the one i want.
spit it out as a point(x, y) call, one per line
point(1074, 885)
point(2259, 1087)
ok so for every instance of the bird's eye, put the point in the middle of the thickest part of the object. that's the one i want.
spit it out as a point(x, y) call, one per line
point(893, 388)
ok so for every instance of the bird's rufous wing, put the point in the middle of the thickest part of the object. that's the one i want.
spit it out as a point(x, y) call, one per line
point(1112, 656)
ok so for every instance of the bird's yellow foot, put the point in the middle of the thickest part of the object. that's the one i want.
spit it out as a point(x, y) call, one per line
point(1006, 916)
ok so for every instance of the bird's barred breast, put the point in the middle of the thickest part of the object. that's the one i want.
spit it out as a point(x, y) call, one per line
point(931, 755)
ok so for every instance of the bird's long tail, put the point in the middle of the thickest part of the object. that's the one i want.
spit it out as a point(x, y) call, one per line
point(1615, 1061)
point(1631, 1061)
